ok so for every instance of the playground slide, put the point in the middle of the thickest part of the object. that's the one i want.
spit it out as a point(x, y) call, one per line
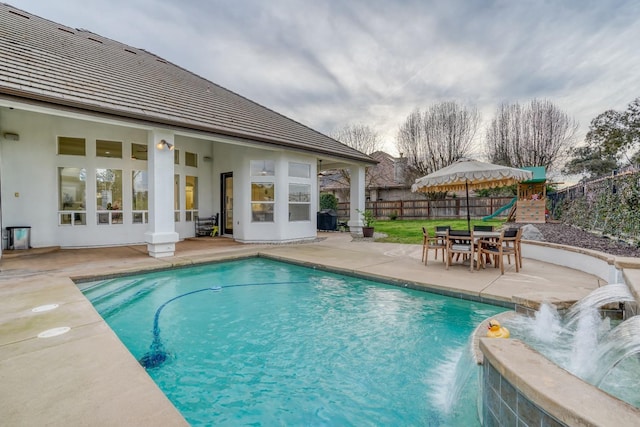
point(502, 209)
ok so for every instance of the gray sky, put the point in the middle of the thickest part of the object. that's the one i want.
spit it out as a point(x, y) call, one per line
point(328, 63)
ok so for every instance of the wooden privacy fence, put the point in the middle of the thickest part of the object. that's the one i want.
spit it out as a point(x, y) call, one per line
point(432, 209)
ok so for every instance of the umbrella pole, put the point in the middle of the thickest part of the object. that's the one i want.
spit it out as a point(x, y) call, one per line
point(466, 186)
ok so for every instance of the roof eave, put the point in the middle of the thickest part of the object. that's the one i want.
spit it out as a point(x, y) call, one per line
point(155, 121)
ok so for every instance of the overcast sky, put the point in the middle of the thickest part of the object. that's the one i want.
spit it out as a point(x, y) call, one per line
point(328, 63)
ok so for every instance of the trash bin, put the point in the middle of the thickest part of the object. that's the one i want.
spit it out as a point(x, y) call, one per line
point(19, 237)
point(327, 220)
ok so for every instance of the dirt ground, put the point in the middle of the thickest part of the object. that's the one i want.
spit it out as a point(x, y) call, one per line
point(568, 235)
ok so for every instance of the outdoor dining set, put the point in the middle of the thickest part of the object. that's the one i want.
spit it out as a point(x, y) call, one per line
point(479, 246)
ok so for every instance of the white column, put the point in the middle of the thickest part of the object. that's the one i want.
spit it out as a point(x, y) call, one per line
point(356, 199)
point(161, 236)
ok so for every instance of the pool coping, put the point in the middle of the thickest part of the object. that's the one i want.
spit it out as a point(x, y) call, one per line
point(409, 284)
point(550, 388)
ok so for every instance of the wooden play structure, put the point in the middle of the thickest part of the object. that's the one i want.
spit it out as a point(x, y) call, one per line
point(532, 198)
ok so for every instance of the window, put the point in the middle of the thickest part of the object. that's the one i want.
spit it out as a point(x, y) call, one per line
point(109, 196)
point(299, 192)
point(263, 190)
point(176, 156)
point(262, 201)
point(191, 197)
point(109, 149)
point(176, 198)
point(72, 185)
point(71, 146)
point(299, 170)
point(140, 192)
point(299, 202)
point(263, 168)
point(190, 159)
point(138, 151)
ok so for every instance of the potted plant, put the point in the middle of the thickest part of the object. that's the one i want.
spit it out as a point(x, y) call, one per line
point(367, 219)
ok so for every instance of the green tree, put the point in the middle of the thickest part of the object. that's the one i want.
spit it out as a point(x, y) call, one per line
point(591, 161)
point(616, 132)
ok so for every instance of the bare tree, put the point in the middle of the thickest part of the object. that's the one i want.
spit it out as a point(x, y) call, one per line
point(361, 137)
point(409, 142)
point(364, 139)
point(438, 137)
point(539, 134)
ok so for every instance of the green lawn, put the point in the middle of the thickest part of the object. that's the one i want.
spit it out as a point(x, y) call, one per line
point(410, 231)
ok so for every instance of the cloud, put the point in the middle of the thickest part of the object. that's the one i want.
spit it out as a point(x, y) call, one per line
point(330, 63)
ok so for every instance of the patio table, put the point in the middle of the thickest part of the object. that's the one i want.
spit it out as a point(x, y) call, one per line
point(477, 235)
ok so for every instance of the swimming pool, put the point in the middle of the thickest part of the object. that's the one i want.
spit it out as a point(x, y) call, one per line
point(262, 342)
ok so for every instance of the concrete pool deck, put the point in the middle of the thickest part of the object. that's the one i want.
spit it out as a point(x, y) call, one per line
point(87, 377)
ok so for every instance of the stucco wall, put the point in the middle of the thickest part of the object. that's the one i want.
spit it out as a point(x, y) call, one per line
point(238, 160)
point(30, 177)
point(29, 183)
point(592, 262)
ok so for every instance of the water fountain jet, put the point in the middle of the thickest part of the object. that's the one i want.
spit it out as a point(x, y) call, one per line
point(583, 342)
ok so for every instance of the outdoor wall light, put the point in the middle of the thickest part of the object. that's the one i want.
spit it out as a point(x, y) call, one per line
point(10, 136)
point(164, 143)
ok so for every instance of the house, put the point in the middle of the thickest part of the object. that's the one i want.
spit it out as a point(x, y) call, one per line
point(107, 144)
point(387, 180)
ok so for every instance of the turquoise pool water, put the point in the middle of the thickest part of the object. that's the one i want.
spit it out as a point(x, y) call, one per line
point(259, 342)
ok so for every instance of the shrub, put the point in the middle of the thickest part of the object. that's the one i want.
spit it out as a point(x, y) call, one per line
point(328, 201)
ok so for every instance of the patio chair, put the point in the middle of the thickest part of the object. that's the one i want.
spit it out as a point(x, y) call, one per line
point(518, 244)
point(436, 243)
point(483, 228)
point(505, 245)
point(460, 242)
point(441, 232)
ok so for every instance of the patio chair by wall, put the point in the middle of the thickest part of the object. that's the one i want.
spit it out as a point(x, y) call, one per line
point(432, 242)
point(206, 226)
point(460, 242)
point(505, 246)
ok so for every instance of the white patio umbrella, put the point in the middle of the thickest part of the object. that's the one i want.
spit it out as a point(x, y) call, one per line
point(465, 174)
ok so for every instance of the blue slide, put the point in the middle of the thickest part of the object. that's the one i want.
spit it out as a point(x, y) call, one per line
point(502, 209)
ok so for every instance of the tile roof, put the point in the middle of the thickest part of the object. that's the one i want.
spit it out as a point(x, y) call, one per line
point(51, 63)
